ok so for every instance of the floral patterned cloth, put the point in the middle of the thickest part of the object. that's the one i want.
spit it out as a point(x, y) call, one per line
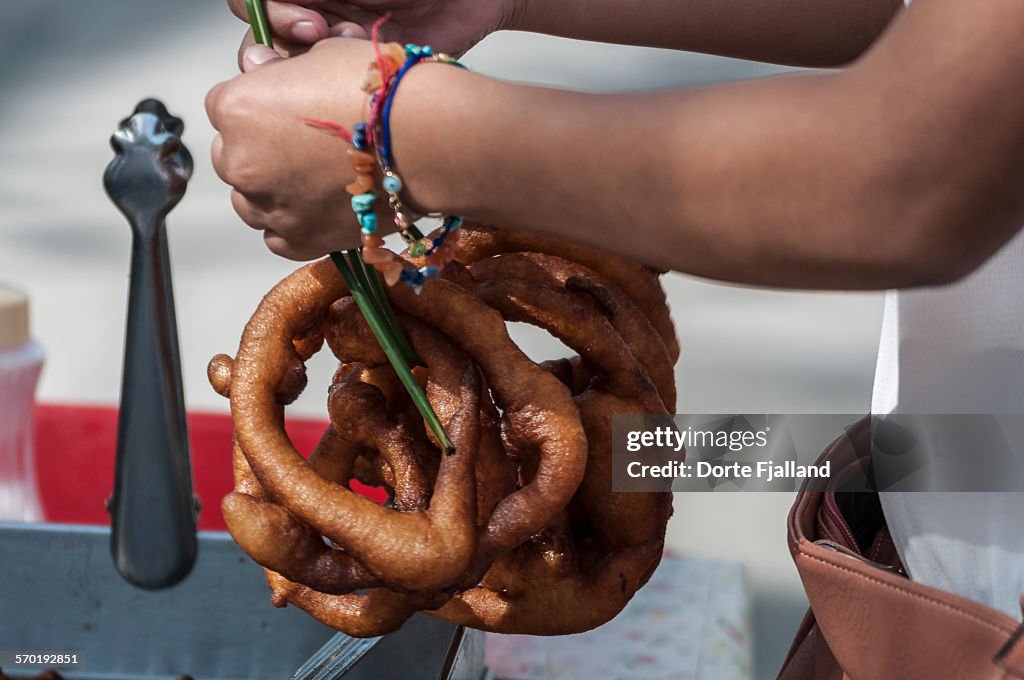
point(690, 622)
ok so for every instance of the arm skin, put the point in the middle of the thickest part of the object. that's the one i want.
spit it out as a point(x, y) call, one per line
point(906, 169)
point(809, 33)
point(794, 32)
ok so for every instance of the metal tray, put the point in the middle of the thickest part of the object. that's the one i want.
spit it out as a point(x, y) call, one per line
point(59, 592)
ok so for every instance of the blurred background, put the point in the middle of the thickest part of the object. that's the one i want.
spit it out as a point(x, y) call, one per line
point(71, 70)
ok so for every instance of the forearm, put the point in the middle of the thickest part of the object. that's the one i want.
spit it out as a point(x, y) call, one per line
point(794, 32)
point(859, 179)
point(720, 182)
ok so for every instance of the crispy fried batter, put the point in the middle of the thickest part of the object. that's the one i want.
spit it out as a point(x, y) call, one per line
point(640, 283)
point(519, 530)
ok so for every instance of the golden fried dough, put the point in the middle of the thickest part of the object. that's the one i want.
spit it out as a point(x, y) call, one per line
point(518, 531)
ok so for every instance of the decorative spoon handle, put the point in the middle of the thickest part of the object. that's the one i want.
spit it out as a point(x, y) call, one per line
point(153, 511)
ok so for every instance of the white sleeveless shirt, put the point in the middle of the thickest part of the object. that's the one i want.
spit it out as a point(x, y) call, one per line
point(959, 349)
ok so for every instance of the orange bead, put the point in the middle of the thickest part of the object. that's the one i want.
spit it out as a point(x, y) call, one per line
point(363, 163)
point(391, 271)
point(363, 184)
point(372, 241)
point(395, 53)
point(357, 156)
point(372, 81)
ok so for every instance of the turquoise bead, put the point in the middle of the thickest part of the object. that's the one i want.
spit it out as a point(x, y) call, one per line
point(368, 221)
point(363, 202)
point(392, 184)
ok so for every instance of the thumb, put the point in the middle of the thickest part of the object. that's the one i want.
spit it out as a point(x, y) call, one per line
point(256, 56)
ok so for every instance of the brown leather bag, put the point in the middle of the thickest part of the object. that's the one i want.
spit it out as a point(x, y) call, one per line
point(867, 620)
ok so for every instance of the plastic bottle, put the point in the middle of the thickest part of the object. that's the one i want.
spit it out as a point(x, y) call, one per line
point(21, 362)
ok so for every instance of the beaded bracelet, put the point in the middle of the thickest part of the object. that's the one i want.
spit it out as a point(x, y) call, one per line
point(385, 158)
point(382, 79)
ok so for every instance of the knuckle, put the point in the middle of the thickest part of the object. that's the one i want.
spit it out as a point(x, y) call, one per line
point(230, 164)
point(278, 245)
point(212, 102)
point(285, 221)
point(229, 101)
point(233, 99)
point(243, 176)
point(244, 209)
point(217, 157)
point(239, 202)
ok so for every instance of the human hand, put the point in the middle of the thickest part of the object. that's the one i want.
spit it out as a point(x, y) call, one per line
point(288, 178)
point(447, 25)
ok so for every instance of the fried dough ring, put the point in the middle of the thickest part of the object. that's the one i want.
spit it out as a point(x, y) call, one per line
point(538, 408)
point(626, 318)
point(412, 557)
point(380, 610)
point(265, 530)
point(537, 603)
point(416, 550)
point(640, 283)
point(621, 517)
point(552, 548)
point(535, 587)
point(363, 408)
point(270, 535)
point(377, 612)
point(545, 306)
point(274, 539)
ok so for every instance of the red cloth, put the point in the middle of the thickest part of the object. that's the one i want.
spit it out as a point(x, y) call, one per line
point(75, 448)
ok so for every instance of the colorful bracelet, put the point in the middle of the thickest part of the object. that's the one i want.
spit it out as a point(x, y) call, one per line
point(429, 257)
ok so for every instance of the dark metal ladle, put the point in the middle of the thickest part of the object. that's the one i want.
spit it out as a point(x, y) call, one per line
point(153, 511)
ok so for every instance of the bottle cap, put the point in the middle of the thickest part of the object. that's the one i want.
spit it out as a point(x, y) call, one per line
point(13, 318)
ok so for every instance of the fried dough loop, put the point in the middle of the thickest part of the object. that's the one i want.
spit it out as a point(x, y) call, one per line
point(519, 530)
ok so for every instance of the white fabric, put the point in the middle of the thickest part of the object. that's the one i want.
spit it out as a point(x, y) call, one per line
point(959, 349)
